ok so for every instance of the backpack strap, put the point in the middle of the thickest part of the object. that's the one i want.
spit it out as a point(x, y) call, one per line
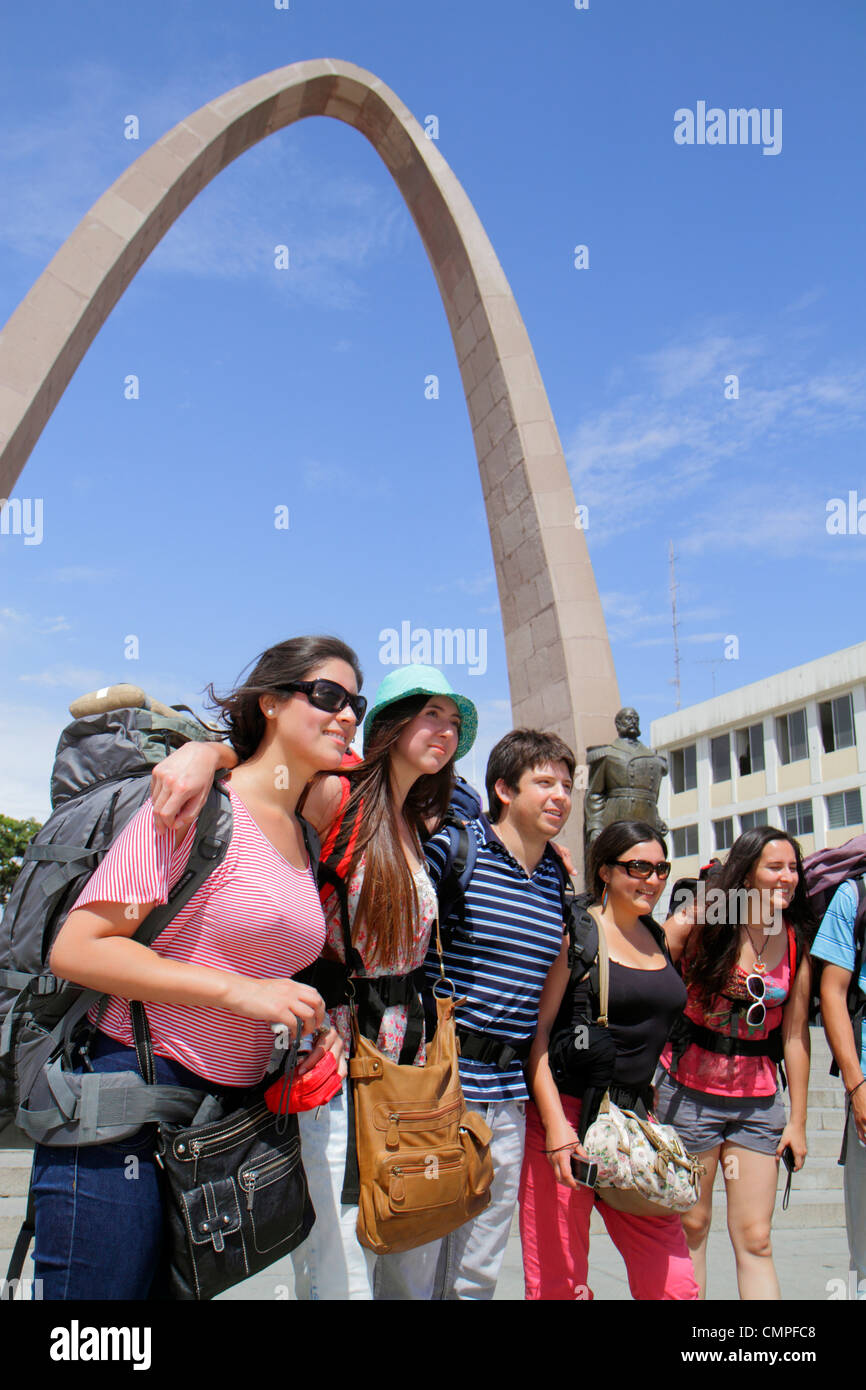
point(460, 860)
point(89, 1104)
point(25, 1236)
point(336, 825)
point(854, 990)
point(685, 1031)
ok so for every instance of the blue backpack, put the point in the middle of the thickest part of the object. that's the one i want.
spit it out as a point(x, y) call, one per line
point(462, 852)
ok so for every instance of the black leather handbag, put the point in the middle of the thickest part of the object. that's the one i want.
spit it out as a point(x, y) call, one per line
point(234, 1192)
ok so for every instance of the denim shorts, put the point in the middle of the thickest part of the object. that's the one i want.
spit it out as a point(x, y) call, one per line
point(704, 1121)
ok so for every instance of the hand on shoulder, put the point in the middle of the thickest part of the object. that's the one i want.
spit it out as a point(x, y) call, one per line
point(322, 804)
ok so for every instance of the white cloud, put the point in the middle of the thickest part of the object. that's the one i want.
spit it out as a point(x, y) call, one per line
point(26, 625)
point(81, 574)
point(681, 368)
point(53, 168)
point(675, 439)
point(77, 678)
point(477, 585)
point(805, 300)
point(322, 477)
point(758, 518)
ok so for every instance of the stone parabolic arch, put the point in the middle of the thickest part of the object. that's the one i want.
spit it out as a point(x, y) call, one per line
point(560, 666)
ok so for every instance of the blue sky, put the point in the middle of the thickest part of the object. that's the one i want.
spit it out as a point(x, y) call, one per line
point(305, 388)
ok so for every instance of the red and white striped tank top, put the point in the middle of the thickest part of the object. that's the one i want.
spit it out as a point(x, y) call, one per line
point(256, 915)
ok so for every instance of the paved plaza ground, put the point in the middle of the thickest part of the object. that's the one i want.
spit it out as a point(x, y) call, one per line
point(806, 1260)
point(809, 1240)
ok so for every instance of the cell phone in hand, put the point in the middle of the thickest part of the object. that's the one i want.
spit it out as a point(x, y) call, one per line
point(787, 1157)
point(584, 1171)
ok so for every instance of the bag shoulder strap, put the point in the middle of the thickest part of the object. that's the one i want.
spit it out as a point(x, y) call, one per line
point(312, 844)
point(603, 979)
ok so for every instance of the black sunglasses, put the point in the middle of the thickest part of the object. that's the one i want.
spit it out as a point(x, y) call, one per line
point(329, 696)
point(642, 868)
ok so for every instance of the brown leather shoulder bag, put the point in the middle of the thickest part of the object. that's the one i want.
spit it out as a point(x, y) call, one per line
point(424, 1159)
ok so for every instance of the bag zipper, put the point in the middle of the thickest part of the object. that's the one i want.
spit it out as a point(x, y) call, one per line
point(199, 1146)
point(403, 1170)
point(249, 1177)
point(392, 1135)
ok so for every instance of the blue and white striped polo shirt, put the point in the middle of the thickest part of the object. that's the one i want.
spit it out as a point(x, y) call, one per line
point(499, 958)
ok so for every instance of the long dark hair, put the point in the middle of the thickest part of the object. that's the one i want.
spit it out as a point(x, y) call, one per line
point(389, 900)
point(615, 838)
point(717, 941)
point(240, 713)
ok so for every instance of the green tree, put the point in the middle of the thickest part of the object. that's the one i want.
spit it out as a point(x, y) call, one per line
point(15, 836)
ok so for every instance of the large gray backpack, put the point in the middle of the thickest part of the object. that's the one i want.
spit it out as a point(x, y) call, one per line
point(101, 777)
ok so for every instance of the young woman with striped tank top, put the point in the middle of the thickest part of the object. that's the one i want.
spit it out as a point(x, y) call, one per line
point(215, 980)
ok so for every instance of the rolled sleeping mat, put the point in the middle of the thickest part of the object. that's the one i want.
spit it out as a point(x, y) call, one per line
point(117, 697)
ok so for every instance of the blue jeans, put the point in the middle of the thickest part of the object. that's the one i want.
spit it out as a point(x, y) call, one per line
point(99, 1223)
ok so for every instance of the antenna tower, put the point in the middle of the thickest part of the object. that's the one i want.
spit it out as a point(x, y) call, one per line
point(676, 679)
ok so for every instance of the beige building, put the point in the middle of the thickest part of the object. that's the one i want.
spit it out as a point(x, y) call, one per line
point(787, 751)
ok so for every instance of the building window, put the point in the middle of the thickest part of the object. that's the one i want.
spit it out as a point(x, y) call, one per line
point(720, 758)
point(844, 808)
point(837, 723)
point(791, 738)
point(797, 818)
point(685, 841)
point(684, 768)
point(751, 819)
point(750, 749)
point(723, 831)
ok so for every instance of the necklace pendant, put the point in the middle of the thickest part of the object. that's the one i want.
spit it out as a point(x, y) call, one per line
point(760, 967)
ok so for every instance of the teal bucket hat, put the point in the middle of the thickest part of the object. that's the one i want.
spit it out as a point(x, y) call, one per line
point(423, 680)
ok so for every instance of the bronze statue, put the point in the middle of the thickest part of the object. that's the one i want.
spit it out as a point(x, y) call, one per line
point(623, 781)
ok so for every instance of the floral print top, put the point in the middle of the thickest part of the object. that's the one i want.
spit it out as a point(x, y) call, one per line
point(393, 1030)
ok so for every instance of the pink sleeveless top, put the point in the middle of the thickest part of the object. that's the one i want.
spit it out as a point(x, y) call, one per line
point(733, 1076)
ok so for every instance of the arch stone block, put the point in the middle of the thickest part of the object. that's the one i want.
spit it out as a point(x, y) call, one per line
point(560, 666)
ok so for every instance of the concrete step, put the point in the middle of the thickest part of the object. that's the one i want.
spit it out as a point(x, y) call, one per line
point(826, 1097)
point(807, 1208)
point(818, 1173)
point(12, 1212)
point(823, 1118)
point(824, 1143)
point(15, 1165)
point(823, 1173)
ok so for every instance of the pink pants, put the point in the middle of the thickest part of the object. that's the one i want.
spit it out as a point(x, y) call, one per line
point(554, 1232)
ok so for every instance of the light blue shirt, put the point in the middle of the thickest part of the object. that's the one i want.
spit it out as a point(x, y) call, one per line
point(835, 940)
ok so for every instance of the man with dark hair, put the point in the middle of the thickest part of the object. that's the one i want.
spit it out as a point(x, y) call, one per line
point(499, 943)
point(513, 754)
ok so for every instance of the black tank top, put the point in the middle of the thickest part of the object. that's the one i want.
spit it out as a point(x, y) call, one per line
point(642, 1008)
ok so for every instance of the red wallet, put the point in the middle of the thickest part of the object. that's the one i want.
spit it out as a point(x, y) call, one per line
point(316, 1087)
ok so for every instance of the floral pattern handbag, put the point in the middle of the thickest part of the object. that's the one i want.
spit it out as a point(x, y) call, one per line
point(643, 1167)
